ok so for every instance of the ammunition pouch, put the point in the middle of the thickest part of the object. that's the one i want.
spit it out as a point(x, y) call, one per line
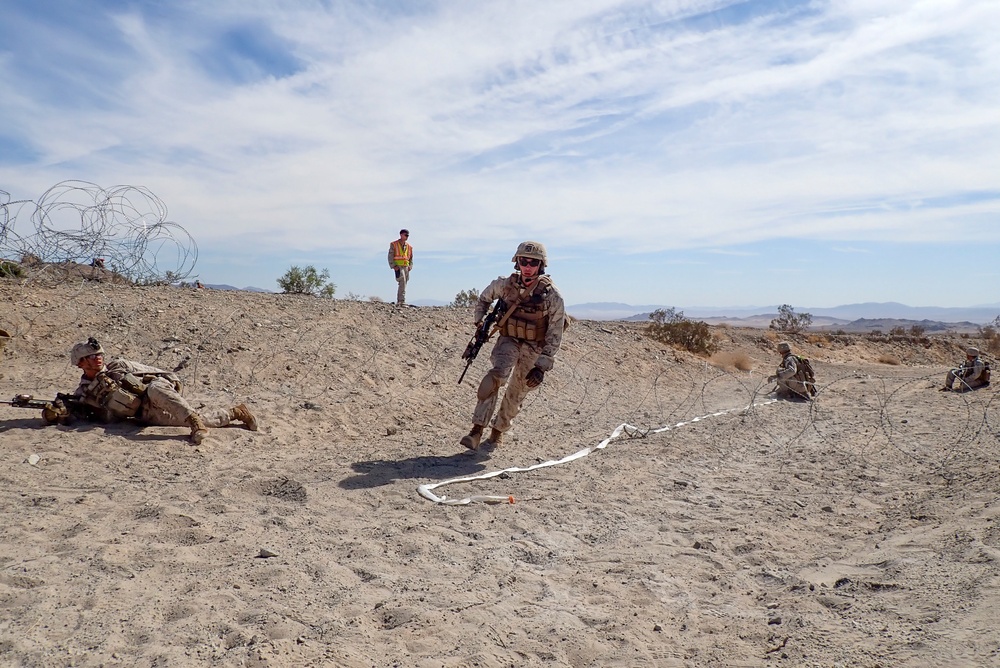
point(122, 399)
point(526, 326)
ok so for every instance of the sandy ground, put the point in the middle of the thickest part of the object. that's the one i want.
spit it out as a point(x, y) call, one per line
point(857, 530)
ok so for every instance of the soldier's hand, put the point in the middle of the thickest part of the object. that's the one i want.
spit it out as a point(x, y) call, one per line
point(55, 412)
point(771, 379)
point(534, 377)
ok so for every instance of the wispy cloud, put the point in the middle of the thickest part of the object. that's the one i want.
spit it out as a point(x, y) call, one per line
point(628, 126)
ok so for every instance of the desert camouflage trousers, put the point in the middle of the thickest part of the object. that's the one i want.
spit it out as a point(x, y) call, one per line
point(163, 406)
point(512, 359)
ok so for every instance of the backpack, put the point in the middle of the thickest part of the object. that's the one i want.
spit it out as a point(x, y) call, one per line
point(806, 374)
point(985, 375)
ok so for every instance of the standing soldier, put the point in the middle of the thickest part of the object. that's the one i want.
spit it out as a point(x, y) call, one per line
point(401, 261)
point(125, 389)
point(531, 330)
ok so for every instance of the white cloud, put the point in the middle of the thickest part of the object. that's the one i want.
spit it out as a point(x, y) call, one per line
point(629, 126)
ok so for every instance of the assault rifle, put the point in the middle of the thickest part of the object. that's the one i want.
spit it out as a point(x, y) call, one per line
point(482, 335)
point(59, 410)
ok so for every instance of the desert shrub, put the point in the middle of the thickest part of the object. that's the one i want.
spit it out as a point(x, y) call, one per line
point(790, 321)
point(897, 331)
point(818, 338)
point(732, 360)
point(917, 331)
point(886, 358)
point(875, 334)
point(990, 333)
point(353, 297)
point(307, 281)
point(375, 299)
point(671, 327)
point(466, 298)
point(10, 269)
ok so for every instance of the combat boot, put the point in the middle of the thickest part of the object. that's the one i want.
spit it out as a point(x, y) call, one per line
point(471, 440)
point(495, 440)
point(198, 429)
point(242, 414)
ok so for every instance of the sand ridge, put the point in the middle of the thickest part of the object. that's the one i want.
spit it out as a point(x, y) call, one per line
point(860, 529)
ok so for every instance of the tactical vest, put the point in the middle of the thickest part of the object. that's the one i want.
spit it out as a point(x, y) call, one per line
point(122, 399)
point(530, 319)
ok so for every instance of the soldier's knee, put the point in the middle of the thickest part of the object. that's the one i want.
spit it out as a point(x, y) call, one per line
point(489, 385)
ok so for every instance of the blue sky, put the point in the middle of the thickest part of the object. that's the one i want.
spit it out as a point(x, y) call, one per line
point(676, 152)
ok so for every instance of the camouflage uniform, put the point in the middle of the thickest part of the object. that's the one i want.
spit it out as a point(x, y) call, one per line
point(123, 389)
point(970, 374)
point(530, 338)
point(162, 403)
point(790, 386)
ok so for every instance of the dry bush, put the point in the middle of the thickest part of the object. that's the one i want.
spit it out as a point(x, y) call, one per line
point(669, 326)
point(732, 360)
point(993, 346)
point(886, 358)
point(990, 334)
point(375, 299)
point(818, 338)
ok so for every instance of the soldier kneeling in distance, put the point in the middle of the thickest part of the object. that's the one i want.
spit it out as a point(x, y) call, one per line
point(972, 373)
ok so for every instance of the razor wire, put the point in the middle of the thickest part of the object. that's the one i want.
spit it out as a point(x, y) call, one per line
point(345, 355)
point(124, 227)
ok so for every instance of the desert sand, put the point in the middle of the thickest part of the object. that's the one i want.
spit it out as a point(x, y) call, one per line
point(860, 529)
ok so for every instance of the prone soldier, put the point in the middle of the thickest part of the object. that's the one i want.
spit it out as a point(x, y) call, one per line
point(125, 389)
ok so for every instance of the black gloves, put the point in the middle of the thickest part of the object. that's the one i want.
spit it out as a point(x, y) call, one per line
point(534, 377)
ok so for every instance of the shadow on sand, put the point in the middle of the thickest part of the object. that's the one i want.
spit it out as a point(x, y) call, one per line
point(383, 472)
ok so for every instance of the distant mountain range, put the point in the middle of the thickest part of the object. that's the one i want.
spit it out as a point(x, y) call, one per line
point(756, 316)
point(850, 317)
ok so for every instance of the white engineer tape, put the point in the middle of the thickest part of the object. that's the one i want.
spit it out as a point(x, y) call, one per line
point(427, 492)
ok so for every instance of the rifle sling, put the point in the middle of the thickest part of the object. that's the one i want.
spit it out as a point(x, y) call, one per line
point(510, 309)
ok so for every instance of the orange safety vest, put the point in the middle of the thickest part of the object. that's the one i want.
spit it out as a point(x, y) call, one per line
point(401, 253)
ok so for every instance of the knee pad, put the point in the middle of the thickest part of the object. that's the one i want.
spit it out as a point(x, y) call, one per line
point(489, 386)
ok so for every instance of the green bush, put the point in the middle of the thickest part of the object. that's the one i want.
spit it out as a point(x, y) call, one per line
point(790, 321)
point(671, 327)
point(307, 281)
point(466, 298)
point(10, 269)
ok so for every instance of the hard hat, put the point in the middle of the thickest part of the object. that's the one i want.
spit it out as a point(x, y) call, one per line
point(531, 249)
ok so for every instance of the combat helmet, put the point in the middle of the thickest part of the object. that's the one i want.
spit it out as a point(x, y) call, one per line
point(81, 350)
point(531, 249)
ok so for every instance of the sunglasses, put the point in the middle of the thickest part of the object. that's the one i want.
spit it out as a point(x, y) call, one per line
point(528, 262)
